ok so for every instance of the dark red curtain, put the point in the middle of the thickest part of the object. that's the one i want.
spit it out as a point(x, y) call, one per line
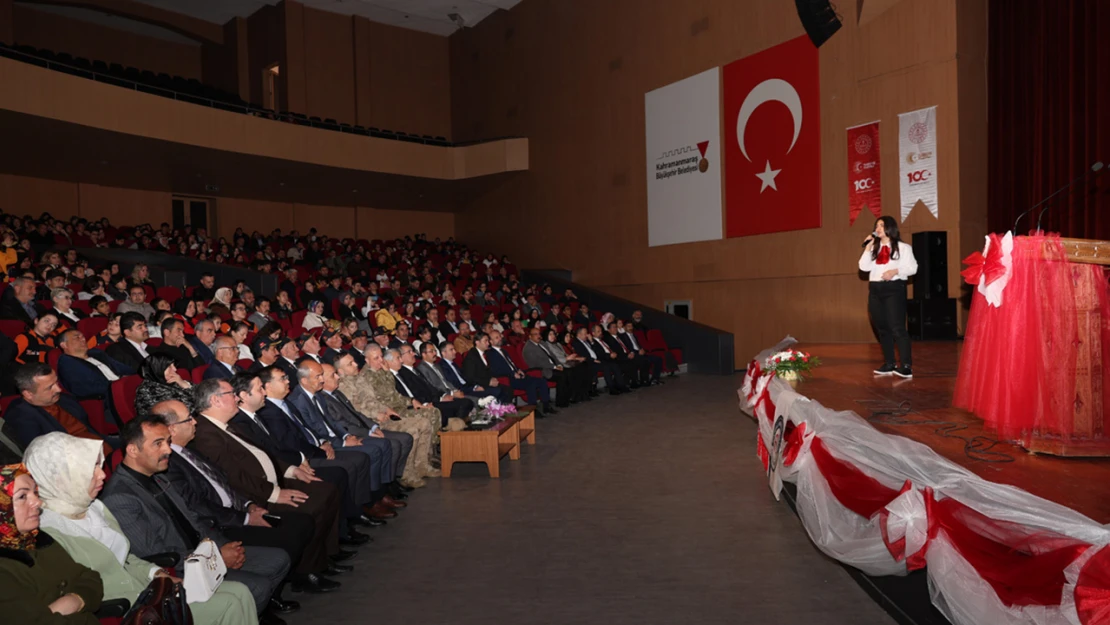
point(1049, 114)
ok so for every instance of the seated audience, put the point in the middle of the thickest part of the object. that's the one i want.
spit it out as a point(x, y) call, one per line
point(42, 408)
point(39, 581)
point(18, 301)
point(63, 307)
point(225, 353)
point(69, 476)
point(204, 333)
point(161, 382)
point(136, 302)
point(174, 344)
point(34, 343)
point(130, 348)
point(502, 365)
point(156, 520)
point(314, 318)
point(87, 373)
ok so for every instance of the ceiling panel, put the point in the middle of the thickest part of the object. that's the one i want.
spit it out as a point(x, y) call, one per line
point(424, 15)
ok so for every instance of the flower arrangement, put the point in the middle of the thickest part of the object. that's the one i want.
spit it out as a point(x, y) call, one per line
point(493, 409)
point(791, 364)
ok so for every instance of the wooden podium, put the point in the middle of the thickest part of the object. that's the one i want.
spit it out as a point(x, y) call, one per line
point(1091, 438)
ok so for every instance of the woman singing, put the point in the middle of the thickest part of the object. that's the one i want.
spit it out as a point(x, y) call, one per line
point(889, 261)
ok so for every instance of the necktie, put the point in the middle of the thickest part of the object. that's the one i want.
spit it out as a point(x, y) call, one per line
point(621, 344)
point(215, 476)
point(293, 414)
point(546, 353)
point(403, 385)
point(512, 367)
point(259, 423)
point(324, 415)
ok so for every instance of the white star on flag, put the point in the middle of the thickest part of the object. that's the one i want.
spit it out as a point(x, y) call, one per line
point(768, 178)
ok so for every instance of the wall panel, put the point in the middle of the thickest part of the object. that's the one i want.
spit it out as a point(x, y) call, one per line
point(329, 65)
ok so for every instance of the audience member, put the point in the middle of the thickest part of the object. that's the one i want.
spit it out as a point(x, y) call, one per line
point(161, 382)
point(174, 345)
point(130, 348)
point(42, 408)
point(136, 302)
point(34, 343)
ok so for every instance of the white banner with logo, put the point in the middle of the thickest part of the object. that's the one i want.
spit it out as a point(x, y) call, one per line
point(683, 126)
point(917, 152)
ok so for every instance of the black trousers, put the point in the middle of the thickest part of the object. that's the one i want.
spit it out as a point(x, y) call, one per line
point(562, 387)
point(580, 381)
point(293, 534)
point(886, 303)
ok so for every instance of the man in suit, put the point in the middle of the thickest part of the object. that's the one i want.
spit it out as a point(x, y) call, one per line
point(501, 365)
point(266, 352)
point(536, 357)
point(393, 365)
point(226, 353)
point(628, 366)
point(445, 363)
point(87, 373)
point(343, 413)
point(400, 336)
point(175, 346)
point(332, 347)
point(450, 324)
point(18, 302)
point(289, 427)
point(204, 333)
point(626, 336)
point(584, 347)
point(641, 366)
point(206, 490)
point(368, 461)
point(43, 408)
point(289, 352)
point(131, 348)
point(451, 404)
point(156, 520)
point(261, 314)
point(254, 473)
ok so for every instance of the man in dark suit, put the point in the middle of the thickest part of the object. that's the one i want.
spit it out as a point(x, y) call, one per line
point(201, 340)
point(450, 325)
point(584, 347)
point(131, 348)
point(451, 404)
point(287, 425)
point(43, 408)
point(359, 341)
point(174, 345)
point(343, 412)
point(206, 290)
point(87, 373)
point(18, 302)
point(629, 368)
point(475, 367)
point(392, 361)
point(501, 365)
point(536, 357)
point(446, 366)
point(156, 520)
point(368, 461)
point(332, 346)
point(627, 337)
point(226, 353)
point(206, 490)
point(255, 474)
point(641, 366)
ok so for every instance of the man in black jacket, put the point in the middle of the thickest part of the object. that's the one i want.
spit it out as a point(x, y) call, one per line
point(18, 302)
point(449, 405)
point(205, 488)
point(131, 348)
point(174, 345)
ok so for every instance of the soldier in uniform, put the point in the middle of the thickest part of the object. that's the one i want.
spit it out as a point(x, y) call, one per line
point(372, 392)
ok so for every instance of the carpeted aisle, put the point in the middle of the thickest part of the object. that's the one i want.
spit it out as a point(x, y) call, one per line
point(640, 509)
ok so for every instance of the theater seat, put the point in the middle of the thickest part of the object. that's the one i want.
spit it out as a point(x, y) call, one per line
point(123, 396)
point(12, 327)
point(198, 374)
point(169, 293)
point(91, 326)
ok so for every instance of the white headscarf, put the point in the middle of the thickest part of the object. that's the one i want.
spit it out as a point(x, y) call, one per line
point(63, 466)
point(222, 296)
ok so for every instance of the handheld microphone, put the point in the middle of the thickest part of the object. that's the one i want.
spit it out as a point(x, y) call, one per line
point(866, 242)
point(1094, 168)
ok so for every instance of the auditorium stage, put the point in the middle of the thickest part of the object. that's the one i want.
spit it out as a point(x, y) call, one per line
point(845, 382)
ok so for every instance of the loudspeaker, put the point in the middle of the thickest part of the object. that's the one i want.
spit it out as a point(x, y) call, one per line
point(931, 319)
point(931, 251)
point(819, 19)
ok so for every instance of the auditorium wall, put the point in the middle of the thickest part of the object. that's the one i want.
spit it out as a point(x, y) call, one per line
point(43, 29)
point(571, 76)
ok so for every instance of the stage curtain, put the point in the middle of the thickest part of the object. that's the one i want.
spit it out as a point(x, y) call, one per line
point(1049, 114)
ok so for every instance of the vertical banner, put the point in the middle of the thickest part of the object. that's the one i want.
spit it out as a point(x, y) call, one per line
point(773, 140)
point(917, 152)
point(864, 174)
point(683, 125)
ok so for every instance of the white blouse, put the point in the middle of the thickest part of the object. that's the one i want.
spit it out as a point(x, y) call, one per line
point(905, 263)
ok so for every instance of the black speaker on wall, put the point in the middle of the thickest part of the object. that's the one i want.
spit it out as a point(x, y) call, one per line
point(819, 18)
point(930, 248)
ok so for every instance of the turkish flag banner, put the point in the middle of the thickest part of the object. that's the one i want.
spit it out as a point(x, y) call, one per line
point(864, 175)
point(773, 140)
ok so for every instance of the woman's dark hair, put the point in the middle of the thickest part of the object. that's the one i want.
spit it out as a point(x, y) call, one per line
point(91, 284)
point(154, 367)
point(181, 304)
point(268, 329)
point(890, 227)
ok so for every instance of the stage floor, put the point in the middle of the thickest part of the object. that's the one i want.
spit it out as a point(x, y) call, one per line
point(845, 382)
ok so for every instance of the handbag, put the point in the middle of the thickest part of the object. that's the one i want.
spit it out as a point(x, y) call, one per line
point(204, 571)
point(162, 602)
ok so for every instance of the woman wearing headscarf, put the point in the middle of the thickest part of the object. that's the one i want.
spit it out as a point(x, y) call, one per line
point(67, 470)
point(221, 303)
point(160, 383)
point(39, 582)
point(314, 317)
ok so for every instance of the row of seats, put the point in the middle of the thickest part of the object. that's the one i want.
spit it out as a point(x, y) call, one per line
point(191, 90)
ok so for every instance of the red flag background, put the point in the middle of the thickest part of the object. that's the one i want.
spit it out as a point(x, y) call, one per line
point(864, 176)
point(772, 185)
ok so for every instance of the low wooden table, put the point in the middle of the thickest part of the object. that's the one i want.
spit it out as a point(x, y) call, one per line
point(488, 444)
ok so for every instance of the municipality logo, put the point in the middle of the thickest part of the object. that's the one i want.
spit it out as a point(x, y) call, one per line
point(681, 161)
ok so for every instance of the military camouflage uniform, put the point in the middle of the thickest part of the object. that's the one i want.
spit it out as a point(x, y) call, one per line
point(363, 391)
point(385, 386)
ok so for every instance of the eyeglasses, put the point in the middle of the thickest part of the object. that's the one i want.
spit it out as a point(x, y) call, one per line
point(227, 347)
point(183, 421)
